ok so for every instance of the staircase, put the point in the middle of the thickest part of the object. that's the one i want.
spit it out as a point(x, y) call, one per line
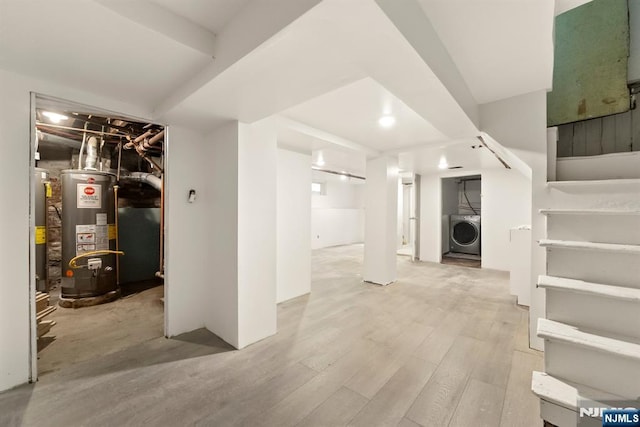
point(592, 292)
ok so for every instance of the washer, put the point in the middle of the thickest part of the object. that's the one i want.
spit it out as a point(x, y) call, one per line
point(464, 234)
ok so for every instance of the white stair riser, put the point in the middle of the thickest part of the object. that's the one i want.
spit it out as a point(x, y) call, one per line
point(605, 371)
point(599, 267)
point(595, 228)
point(614, 195)
point(607, 315)
point(607, 166)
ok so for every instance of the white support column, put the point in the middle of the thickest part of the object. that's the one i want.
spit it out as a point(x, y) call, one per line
point(381, 221)
point(241, 298)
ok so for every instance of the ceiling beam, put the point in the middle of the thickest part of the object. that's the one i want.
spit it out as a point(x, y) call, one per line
point(326, 136)
point(165, 22)
point(411, 20)
point(424, 145)
point(254, 25)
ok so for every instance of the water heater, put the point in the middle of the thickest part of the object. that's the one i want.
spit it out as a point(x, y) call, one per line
point(88, 225)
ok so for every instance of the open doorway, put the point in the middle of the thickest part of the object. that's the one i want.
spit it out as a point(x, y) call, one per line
point(461, 221)
point(98, 207)
point(408, 215)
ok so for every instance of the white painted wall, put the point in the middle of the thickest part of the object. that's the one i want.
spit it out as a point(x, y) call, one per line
point(187, 243)
point(257, 241)
point(221, 313)
point(14, 221)
point(506, 203)
point(294, 225)
point(506, 196)
point(337, 217)
point(519, 125)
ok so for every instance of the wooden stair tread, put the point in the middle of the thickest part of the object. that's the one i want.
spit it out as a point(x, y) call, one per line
point(589, 288)
point(41, 296)
point(560, 332)
point(47, 311)
point(566, 393)
point(590, 246)
point(551, 211)
point(45, 326)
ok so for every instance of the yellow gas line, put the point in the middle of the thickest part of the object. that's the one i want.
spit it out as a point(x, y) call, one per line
point(72, 262)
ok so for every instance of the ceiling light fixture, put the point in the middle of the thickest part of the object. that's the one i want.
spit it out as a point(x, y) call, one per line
point(387, 121)
point(54, 117)
point(443, 163)
point(343, 177)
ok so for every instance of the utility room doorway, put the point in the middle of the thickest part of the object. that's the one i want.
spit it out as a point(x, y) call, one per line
point(461, 220)
point(97, 192)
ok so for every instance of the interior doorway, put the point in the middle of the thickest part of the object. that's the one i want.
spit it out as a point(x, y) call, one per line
point(461, 220)
point(97, 192)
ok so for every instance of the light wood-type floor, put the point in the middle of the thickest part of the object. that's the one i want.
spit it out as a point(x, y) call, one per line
point(443, 346)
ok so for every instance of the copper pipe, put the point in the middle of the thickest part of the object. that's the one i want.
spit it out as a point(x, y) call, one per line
point(115, 195)
point(142, 137)
point(161, 270)
point(97, 132)
point(119, 160)
point(157, 137)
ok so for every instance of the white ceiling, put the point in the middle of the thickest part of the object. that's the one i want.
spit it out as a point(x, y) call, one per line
point(84, 45)
point(352, 112)
point(210, 14)
point(456, 153)
point(323, 50)
point(333, 157)
point(502, 48)
point(336, 68)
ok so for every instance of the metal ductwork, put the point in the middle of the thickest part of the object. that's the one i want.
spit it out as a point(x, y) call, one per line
point(147, 178)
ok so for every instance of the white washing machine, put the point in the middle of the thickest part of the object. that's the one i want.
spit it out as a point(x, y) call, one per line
point(464, 234)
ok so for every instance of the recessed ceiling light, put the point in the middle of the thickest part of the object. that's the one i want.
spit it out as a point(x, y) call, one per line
point(320, 162)
point(387, 121)
point(443, 163)
point(54, 117)
point(343, 177)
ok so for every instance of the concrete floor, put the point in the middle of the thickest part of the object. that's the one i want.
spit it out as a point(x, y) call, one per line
point(444, 345)
point(89, 332)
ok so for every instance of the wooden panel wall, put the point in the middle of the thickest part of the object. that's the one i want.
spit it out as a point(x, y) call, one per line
point(611, 134)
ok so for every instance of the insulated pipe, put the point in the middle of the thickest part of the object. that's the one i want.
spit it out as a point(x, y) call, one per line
point(148, 178)
point(84, 139)
point(92, 154)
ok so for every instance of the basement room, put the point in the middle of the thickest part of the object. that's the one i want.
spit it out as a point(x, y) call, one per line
point(319, 212)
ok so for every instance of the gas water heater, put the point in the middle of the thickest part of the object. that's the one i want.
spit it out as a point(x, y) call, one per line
point(88, 230)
